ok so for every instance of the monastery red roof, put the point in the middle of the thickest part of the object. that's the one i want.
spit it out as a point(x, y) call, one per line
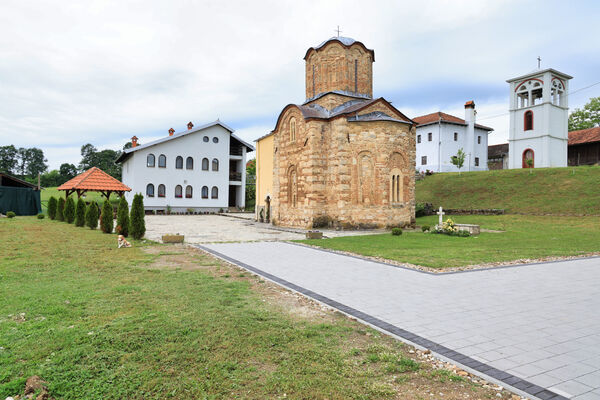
point(436, 116)
point(582, 136)
point(95, 179)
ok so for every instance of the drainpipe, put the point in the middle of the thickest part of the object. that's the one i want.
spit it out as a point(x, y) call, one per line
point(440, 144)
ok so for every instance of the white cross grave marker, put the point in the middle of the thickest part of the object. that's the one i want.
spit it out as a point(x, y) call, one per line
point(440, 213)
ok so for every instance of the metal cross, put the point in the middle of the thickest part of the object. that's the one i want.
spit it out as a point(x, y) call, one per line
point(539, 61)
point(338, 31)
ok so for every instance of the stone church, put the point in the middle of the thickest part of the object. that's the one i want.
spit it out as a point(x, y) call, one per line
point(342, 158)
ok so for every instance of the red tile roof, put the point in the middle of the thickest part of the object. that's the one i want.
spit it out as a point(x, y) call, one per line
point(436, 116)
point(95, 179)
point(582, 136)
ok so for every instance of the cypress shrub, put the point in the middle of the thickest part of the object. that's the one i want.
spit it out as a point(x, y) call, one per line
point(11, 214)
point(52, 205)
point(123, 217)
point(137, 226)
point(106, 217)
point(80, 213)
point(60, 208)
point(69, 212)
point(91, 215)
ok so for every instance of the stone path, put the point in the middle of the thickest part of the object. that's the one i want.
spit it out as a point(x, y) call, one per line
point(535, 328)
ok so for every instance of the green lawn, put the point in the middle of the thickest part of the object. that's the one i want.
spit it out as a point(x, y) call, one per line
point(98, 322)
point(566, 191)
point(89, 196)
point(523, 237)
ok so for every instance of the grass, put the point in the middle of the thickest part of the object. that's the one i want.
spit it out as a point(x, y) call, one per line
point(89, 196)
point(560, 191)
point(95, 322)
point(524, 237)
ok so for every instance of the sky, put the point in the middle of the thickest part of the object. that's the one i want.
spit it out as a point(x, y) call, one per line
point(77, 72)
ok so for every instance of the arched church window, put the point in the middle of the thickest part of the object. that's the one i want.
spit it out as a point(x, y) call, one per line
point(528, 121)
point(292, 129)
point(396, 186)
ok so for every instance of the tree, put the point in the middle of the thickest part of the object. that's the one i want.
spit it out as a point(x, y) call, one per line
point(80, 213)
point(8, 159)
point(67, 171)
point(51, 179)
point(459, 159)
point(60, 216)
point(137, 226)
point(69, 212)
point(123, 217)
point(36, 162)
point(52, 204)
point(251, 167)
point(106, 217)
point(91, 215)
point(105, 160)
point(588, 117)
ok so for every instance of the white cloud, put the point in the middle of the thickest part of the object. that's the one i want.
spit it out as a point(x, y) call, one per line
point(101, 71)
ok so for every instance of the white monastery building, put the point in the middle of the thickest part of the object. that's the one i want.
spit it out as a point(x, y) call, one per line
point(539, 113)
point(201, 169)
point(441, 135)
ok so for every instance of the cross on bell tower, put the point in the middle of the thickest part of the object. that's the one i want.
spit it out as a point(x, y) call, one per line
point(338, 31)
point(539, 61)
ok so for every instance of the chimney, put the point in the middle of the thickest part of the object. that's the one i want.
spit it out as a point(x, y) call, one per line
point(470, 137)
point(190, 125)
point(134, 141)
point(171, 132)
point(470, 111)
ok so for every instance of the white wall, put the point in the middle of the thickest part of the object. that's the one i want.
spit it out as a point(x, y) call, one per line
point(440, 161)
point(137, 175)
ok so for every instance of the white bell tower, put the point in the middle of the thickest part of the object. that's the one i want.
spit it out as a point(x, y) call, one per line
point(539, 113)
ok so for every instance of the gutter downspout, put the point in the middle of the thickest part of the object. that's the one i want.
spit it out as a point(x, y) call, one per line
point(440, 144)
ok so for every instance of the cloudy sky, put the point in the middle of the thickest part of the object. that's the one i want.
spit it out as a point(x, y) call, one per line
point(76, 72)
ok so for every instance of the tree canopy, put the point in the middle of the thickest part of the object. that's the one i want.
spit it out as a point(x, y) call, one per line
point(103, 159)
point(585, 118)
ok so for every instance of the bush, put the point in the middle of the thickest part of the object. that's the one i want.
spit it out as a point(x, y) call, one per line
point(10, 214)
point(106, 217)
point(60, 209)
point(52, 205)
point(91, 215)
point(69, 212)
point(41, 216)
point(396, 231)
point(321, 221)
point(137, 226)
point(419, 209)
point(80, 213)
point(463, 233)
point(123, 217)
point(425, 228)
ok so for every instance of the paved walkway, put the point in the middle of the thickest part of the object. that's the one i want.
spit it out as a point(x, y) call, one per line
point(535, 328)
point(233, 227)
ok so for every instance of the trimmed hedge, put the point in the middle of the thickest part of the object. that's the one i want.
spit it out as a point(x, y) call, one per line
point(52, 206)
point(80, 213)
point(60, 209)
point(69, 212)
point(91, 215)
point(123, 217)
point(106, 218)
point(137, 226)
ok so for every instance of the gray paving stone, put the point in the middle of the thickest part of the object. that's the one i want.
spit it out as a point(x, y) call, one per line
point(539, 321)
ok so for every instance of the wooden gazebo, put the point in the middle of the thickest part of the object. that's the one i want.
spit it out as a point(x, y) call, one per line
point(95, 180)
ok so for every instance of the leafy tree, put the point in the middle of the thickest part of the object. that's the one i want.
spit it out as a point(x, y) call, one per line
point(123, 217)
point(137, 226)
point(51, 179)
point(106, 217)
point(251, 167)
point(52, 205)
point(80, 213)
point(588, 117)
point(459, 159)
point(104, 159)
point(31, 161)
point(60, 216)
point(69, 212)
point(8, 159)
point(67, 171)
point(128, 145)
point(91, 215)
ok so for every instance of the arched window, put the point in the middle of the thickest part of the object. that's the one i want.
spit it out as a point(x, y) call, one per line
point(214, 193)
point(205, 192)
point(292, 187)
point(528, 121)
point(179, 162)
point(189, 163)
point(162, 161)
point(205, 164)
point(215, 164)
point(188, 192)
point(150, 160)
point(528, 158)
point(178, 191)
point(292, 129)
point(161, 190)
point(396, 186)
point(150, 190)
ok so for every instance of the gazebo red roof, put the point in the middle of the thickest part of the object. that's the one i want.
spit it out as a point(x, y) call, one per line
point(94, 179)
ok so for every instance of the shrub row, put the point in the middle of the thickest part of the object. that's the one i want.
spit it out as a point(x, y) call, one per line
point(67, 210)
